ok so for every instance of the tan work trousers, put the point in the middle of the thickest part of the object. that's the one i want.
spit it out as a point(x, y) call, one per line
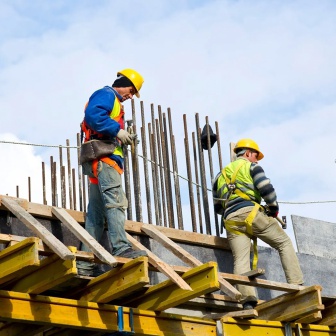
point(268, 230)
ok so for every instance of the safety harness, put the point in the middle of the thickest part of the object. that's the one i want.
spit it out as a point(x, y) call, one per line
point(88, 134)
point(232, 187)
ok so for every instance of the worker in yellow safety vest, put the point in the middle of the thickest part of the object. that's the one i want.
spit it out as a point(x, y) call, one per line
point(238, 190)
point(102, 160)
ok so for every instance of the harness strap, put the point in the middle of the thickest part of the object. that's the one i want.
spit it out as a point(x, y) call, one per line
point(249, 232)
point(108, 161)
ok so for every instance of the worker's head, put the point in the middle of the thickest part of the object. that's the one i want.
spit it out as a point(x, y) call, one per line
point(128, 83)
point(248, 149)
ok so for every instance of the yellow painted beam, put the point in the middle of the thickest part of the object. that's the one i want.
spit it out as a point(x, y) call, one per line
point(118, 282)
point(239, 327)
point(52, 272)
point(202, 279)
point(90, 316)
point(19, 259)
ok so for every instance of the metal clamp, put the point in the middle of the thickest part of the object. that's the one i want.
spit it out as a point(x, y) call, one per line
point(121, 331)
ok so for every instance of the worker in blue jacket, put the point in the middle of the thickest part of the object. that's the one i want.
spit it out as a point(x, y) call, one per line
point(104, 120)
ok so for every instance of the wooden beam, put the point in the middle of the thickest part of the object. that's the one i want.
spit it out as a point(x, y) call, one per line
point(232, 278)
point(292, 306)
point(52, 272)
point(312, 318)
point(244, 280)
point(91, 316)
point(118, 282)
point(198, 239)
point(159, 264)
point(185, 256)
point(58, 247)
point(251, 313)
point(84, 236)
point(18, 260)
point(202, 279)
point(254, 273)
point(329, 316)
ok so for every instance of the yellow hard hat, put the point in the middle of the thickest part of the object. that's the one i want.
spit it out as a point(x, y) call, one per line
point(136, 79)
point(248, 143)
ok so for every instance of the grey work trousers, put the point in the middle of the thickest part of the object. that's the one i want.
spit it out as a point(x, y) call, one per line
point(268, 230)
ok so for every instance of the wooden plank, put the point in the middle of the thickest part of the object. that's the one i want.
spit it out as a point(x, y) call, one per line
point(159, 264)
point(58, 247)
point(84, 236)
point(329, 316)
point(118, 282)
point(202, 279)
point(244, 280)
point(91, 316)
point(291, 306)
point(312, 318)
point(251, 313)
point(186, 257)
point(16, 261)
point(254, 273)
point(52, 272)
point(198, 239)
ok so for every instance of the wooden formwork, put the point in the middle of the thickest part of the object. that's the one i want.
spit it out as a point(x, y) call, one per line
point(41, 292)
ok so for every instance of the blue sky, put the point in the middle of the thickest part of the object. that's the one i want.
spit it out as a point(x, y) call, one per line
point(262, 69)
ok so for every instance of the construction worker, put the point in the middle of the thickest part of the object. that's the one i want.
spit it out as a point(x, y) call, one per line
point(238, 190)
point(104, 120)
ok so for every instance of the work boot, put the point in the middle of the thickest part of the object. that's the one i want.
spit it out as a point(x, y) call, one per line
point(132, 254)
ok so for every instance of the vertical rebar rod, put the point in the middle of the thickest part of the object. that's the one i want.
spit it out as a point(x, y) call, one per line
point(69, 174)
point(175, 173)
point(211, 167)
point(44, 185)
point(145, 164)
point(136, 173)
point(189, 174)
point(79, 170)
point(29, 189)
point(198, 194)
point(63, 187)
point(74, 188)
point(203, 178)
point(166, 168)
point(160, 168)
point(62, 176)
point(52, 181)
point(155, 177)
point(127, 183)
point(219, 148)
point(55, 183)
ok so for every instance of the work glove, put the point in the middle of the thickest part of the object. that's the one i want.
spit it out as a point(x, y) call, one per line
point(125, 137)
point(273, 211)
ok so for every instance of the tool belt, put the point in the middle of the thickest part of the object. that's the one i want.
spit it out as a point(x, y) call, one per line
point(96, 149)
point(249, 232)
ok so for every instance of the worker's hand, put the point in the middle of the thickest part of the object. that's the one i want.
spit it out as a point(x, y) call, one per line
point(272, 211)
point(125, 137)
point(274, 215)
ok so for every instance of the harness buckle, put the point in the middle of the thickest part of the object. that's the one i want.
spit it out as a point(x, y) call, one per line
point(232, 186)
